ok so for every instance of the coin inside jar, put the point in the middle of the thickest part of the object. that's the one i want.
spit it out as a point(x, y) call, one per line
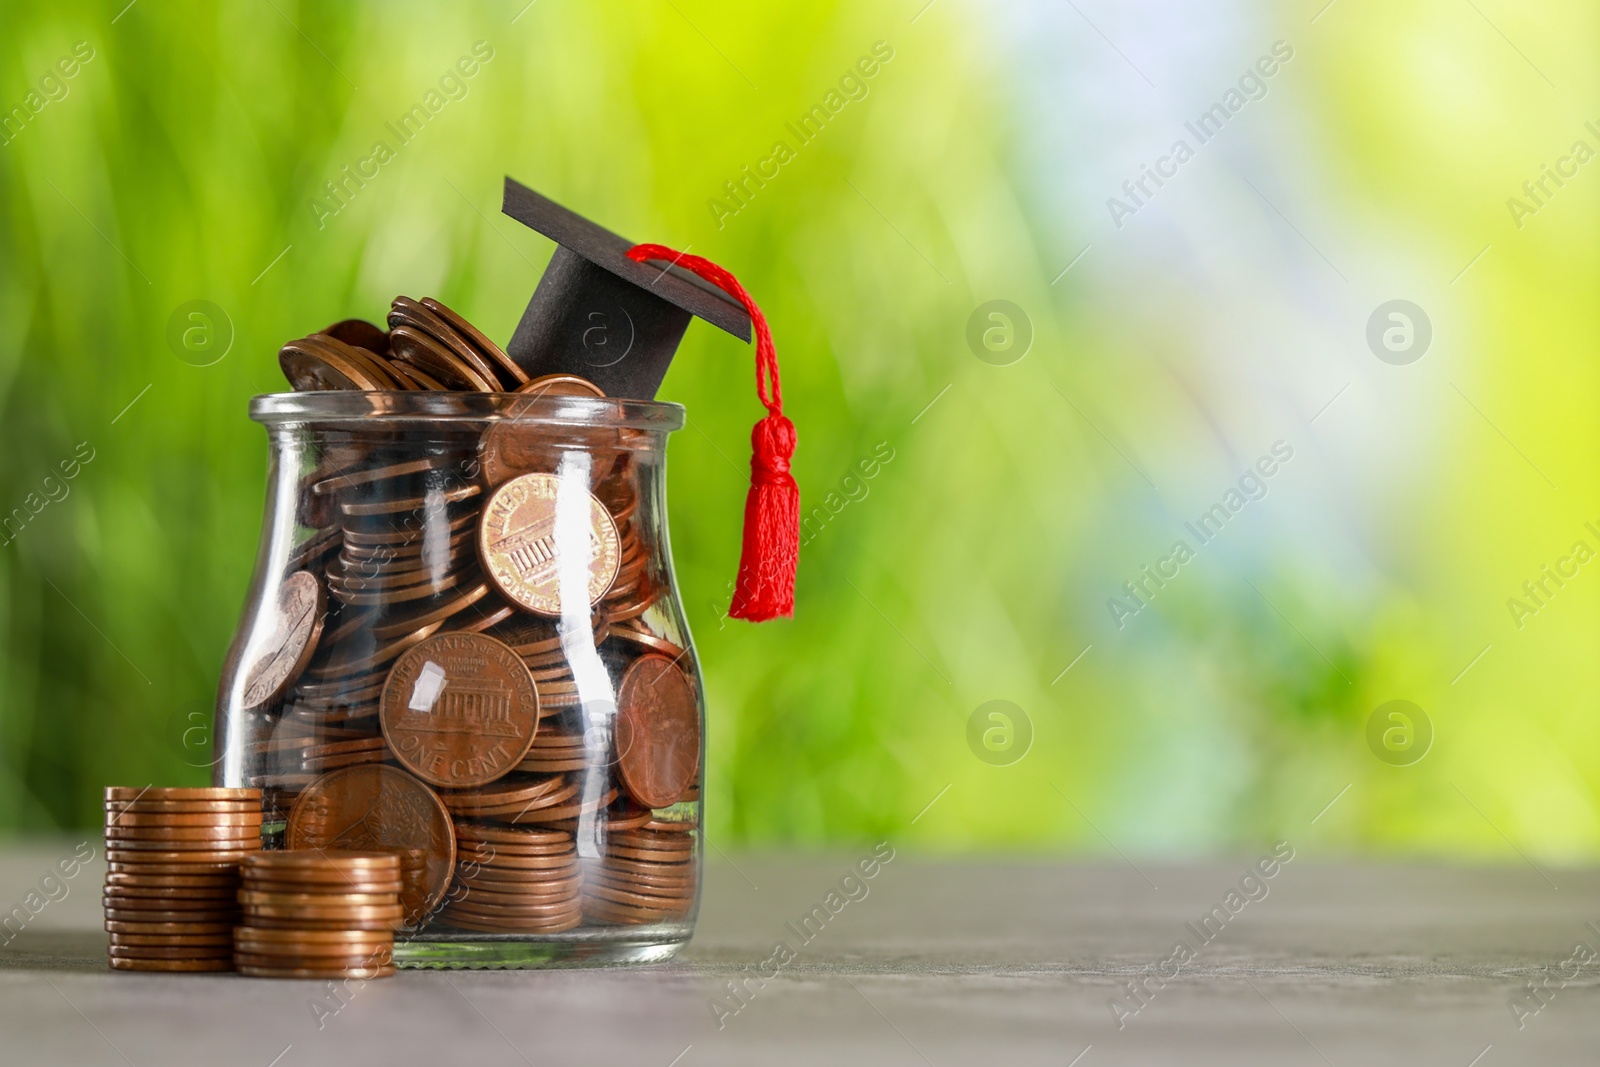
point(658, 731)
point(459, 709)
point(523, 545)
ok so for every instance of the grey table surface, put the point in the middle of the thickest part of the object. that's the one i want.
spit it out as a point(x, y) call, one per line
point(940, 962)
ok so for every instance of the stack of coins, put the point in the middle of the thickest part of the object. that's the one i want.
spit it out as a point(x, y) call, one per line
point(646, 876)
point(172, 878)
point(514, 881)
point(318, 914)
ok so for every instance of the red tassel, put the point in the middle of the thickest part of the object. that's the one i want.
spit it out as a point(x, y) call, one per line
point(771, 550)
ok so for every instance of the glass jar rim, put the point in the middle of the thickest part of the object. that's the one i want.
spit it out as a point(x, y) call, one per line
point(435, 406)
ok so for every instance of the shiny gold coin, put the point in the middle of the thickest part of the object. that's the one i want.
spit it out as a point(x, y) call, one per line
point(519, 546)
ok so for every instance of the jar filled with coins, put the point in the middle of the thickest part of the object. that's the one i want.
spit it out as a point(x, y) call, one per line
point(464, 645)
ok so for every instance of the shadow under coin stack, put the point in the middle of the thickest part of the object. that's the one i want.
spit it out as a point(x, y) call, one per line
point(646, 876)
point(318, 914)
point(172, 879)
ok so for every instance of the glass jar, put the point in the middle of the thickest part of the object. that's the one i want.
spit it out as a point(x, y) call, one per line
point(463, 642)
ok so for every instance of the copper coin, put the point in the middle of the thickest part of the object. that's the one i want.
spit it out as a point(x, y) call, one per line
point(309, 861)
point(390, 913)
point(517, 540)
point(220, 891)
point(512, 796)
point(183, 918)
point(494, 926)
point(454, 606)
point(352, 478)
point(533, 893)
point(165, 928)
point(168, 952)
point(286, 652)
point(417, 348)
point(117, 812)
point(560, 385)
point(374, 366)
point(123, 964)
point(411, 313)
point(174, 821)
point(419, 377)
point(162, 869)
point(505, 367)
point(658, 731)
point(237, 832)
point(170, 940)
point(633, 898)
point(312, 364)
point(275, 952)
point(254, 971)
point(475, 831)
point(391, 888)
point(152, 794)
point(187, 858)
point(232, 844)
point(383, 597)
point(334, 924)
point(430, 500)
point(174, 881)
point(648, 640)
point(254, 897)
point(361, 334)
point(459, 709)
point(295, 937)
point(529, 863)
point(380, 807)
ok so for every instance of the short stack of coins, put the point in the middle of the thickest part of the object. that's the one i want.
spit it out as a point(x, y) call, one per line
point(172, 881)
point(318, 914)
point(510, 880)
point(647, 875)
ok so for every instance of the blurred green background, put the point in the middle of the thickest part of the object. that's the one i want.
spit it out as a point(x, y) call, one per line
point(1028, 465)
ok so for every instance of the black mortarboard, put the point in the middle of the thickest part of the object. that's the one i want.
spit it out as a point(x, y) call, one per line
point(600, 315)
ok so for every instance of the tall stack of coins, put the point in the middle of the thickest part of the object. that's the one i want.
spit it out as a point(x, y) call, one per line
point(172, 876)
point(647, 875)
point(316, 914)
point(472, 652)
point(515, 881)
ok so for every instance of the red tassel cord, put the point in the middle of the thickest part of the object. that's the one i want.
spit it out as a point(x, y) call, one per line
point(771, 550)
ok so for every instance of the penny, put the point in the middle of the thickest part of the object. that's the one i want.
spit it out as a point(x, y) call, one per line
point(560, 385)
point(455, 605)
point(432, 499)
point(153, 794)
point(520, 549)
point(360, 333)
point(649, 641)
point(415, 347)
point(503, 794)
point(321, 363)
point(352, 662)
point(406, 535)
point(492, 926)
point(372, 913)
point(136, 915)
point(413, 314)
point(217, 891)
point(420, 378)
point(473, 906)
point(389, 888)
point(123, 964)
point(232, 843)
point(459, 709)
point(497, 616)
point(328, 860)
point(601, 891)
point(116, 854)
point(507, 370)
point(228, 818)
point(133, 833)
point(658, 731)
point(170, 940)
point(164, 929)
point(256, 971)
point(393, 596)
point(253, 897)
point(173, 882)
point(376, 806)
point(351, 479)
point(472, 831)
point(168, 952)
point(141, 868)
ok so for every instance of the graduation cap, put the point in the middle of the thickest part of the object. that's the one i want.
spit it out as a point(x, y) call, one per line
point(613, 312)
point(602, 316)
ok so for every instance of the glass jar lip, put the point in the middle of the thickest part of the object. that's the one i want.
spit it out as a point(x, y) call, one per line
point(430, 406)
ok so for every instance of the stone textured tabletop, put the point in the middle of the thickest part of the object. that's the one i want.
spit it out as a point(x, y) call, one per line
point(930, 962)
